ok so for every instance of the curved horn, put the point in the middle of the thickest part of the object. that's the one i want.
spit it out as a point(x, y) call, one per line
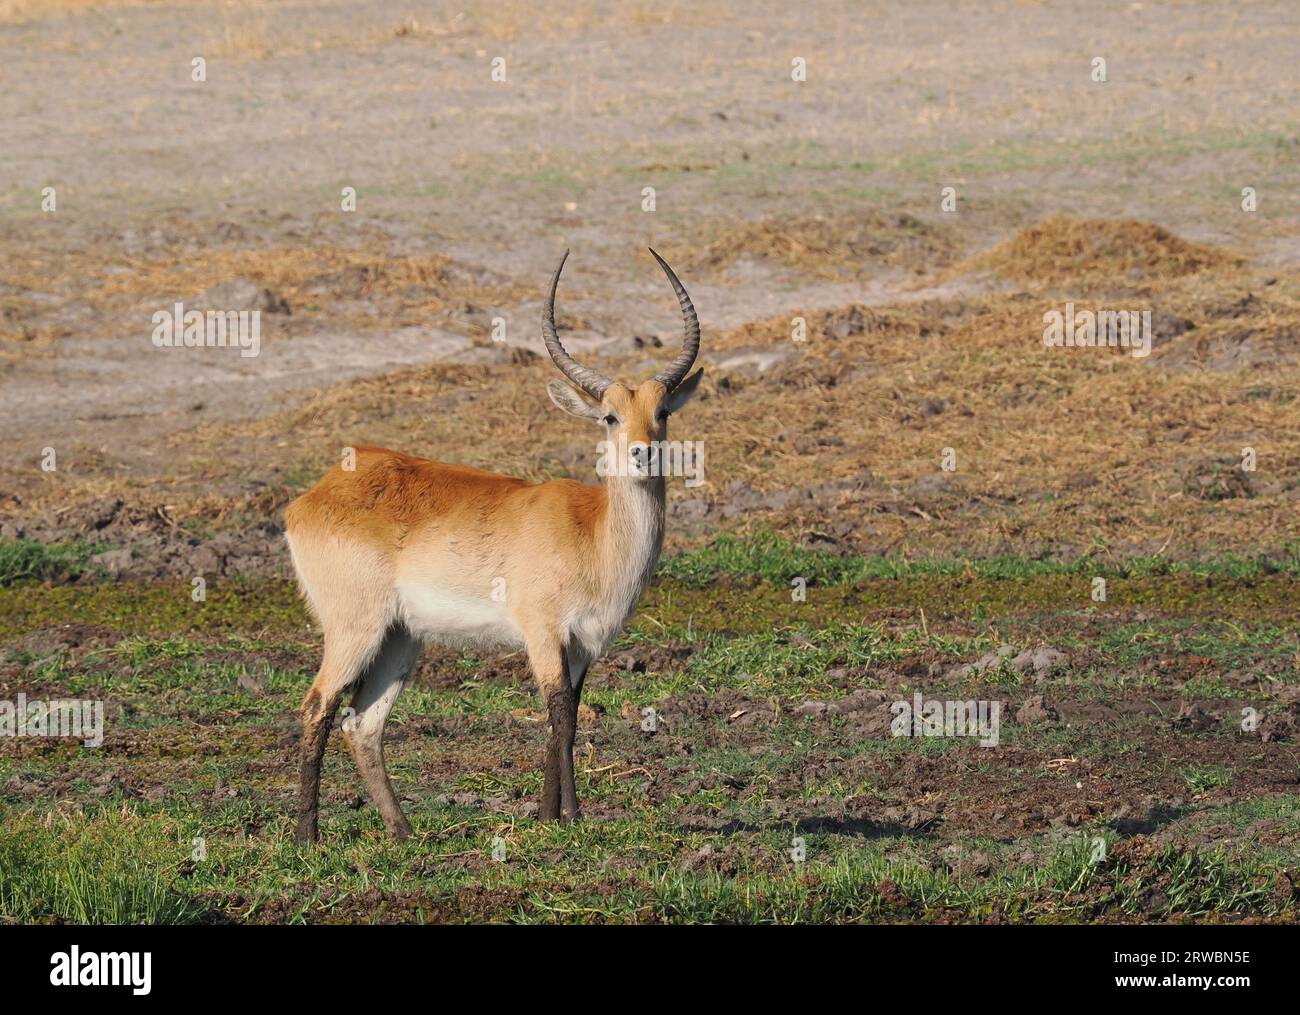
point(591, 381)
point(675, 372)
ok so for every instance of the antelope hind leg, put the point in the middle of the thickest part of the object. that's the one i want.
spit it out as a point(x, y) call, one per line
point(373, 701)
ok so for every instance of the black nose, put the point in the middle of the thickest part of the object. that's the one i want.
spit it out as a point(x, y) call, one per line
point(642, 454)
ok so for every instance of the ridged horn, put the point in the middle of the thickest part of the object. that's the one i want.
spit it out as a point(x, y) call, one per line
point(675, 372)
point(593, 382)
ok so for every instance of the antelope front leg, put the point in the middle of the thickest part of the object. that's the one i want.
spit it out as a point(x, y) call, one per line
point(559, 792)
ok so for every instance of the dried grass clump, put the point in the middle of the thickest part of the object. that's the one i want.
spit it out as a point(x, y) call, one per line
point(1062, 249)
point(293, 271)
point(317, 277)
point(361, 288)
point(916, 320)
point(829, 247)
point(23, 11)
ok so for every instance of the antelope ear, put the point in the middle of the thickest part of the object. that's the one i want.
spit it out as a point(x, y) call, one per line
point(685, 391)
point(574, 402)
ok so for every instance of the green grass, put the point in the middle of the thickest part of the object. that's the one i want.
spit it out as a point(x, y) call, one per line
point(770, 558)
point(26, 560)
point(201, 703)
point(117, 865)
point(156, 607)
point(1202, 778)
point(687, 599)
point(107, 869)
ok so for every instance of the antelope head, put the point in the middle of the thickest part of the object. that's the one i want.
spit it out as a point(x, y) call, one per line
point(635, 418)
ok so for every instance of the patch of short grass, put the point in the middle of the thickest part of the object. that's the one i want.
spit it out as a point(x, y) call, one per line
point(1203, 778)
point(26, 560)
point(110, 869)
point(769, 557)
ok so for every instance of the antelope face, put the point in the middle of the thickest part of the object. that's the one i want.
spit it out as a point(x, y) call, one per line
point(635, 419)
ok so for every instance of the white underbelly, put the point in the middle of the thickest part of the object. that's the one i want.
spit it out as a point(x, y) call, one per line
point(450, 618)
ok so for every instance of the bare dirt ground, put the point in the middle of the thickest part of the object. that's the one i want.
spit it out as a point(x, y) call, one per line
point(778, 201)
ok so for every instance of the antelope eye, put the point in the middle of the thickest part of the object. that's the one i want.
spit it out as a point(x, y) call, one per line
point(610, 420)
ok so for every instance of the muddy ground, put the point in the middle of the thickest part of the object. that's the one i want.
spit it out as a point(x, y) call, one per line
point(411, 321)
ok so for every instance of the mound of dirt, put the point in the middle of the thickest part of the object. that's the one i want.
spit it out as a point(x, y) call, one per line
point(829, 247)
point(1263, 344)
point(1233, 329)
point(1063, 249)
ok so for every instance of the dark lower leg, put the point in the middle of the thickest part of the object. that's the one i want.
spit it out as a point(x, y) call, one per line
point(559, 799)
point(317, 716)
point(579, 680)
point(550, 803)
point(564, 716)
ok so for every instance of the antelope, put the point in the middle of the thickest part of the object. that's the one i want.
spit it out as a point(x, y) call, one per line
point(400, 550)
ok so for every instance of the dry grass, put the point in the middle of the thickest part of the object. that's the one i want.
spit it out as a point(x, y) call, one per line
point(836, 247)
point(1058, 451)
point(295, 272)
point(246, 33)
point(346, 283)
point(1063, 250)
point(22, 11)
point(512, 19)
